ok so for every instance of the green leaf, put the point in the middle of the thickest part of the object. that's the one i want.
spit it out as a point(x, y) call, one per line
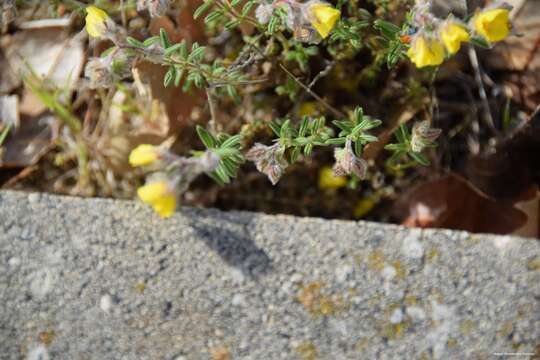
point(336, 141)
point(419, 158)
point(134, 42)
point(173, 48)
point(169, 76)
point(229, 167)
point(231, 24)
point(213, 16)
point(197, 52)
point(222, 174)
point(4, 134)
point(396, 147)
point(247, 7)
point(202, 9)
point(151, 41)
point(165, 42)
point(208, 140)
point(232, 142)
point(481, 42)
point(178, 77)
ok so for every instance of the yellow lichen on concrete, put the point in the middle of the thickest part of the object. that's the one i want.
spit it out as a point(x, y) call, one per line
point(376, 260)
point(46, 337)
point(317, 303)
point(466, 327)
point(220, 353)
point(534, 264)
point(307, 351)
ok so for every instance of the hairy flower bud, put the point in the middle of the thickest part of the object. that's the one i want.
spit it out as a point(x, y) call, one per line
point(103, 71)
point(269, 160)
point(423, 135)
point(155, 7)
point(264, 13)
point(348, 163)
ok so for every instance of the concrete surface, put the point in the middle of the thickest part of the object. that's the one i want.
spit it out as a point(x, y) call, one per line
point(101, 279)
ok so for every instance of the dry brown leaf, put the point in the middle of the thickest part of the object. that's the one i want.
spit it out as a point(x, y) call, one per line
point(9, 81)
point(25, 145)
point(452, 202)
point(49, 52)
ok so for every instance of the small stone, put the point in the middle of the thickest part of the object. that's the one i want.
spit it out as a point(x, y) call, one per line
point(296, 278)
point(389, 272)
point(397, 316)
point(416, 313)
point(14, 261)
point(237, 276)
point(33, 198)
point(343, 272)
point(38, 353)
point(42, 282)
point(412, 247)
point(238, 300)
point(105, 303)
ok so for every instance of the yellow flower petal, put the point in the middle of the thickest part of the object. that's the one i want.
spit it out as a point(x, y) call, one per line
point(324, 18)
point(95, 21)
point(144, 154)
point(160, 196)
point(452, 35)
point(165, 206)
point(493, 25)
point(363, 207)
point(328, 181)
point(426, 52)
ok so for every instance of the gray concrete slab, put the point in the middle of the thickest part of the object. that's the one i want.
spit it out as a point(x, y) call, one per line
point(104, 279)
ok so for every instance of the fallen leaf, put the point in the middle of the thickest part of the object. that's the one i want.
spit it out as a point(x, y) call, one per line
point(24, 146)
point(452, 202)
point(49, 52)
point(9, 111)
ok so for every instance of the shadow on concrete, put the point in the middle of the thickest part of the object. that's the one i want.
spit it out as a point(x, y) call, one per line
point(230, 238)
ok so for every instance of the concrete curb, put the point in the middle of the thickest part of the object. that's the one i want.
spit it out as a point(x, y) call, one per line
point(104, 279)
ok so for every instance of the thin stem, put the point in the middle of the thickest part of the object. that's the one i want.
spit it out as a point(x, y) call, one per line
point(212, 123)
point(473, 57)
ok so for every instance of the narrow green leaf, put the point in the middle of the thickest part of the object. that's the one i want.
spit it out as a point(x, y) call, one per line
point(165, 42)
point(207, 138)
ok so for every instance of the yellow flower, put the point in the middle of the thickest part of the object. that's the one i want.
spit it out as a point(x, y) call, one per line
point(95, 21)
point(160, 196)
point(363, 207)
point(426, 52)
point(494, 25)
point(324, 17)
point(452, 35)
point(144, 154)
point(328, 181)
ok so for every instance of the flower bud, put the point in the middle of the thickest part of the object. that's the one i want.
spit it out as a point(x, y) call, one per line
point(264, 13)
point(269, 160)
point(144, 154)
point(423, 135)
point(155, 7)
point(348, 163)
point(328, 180)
